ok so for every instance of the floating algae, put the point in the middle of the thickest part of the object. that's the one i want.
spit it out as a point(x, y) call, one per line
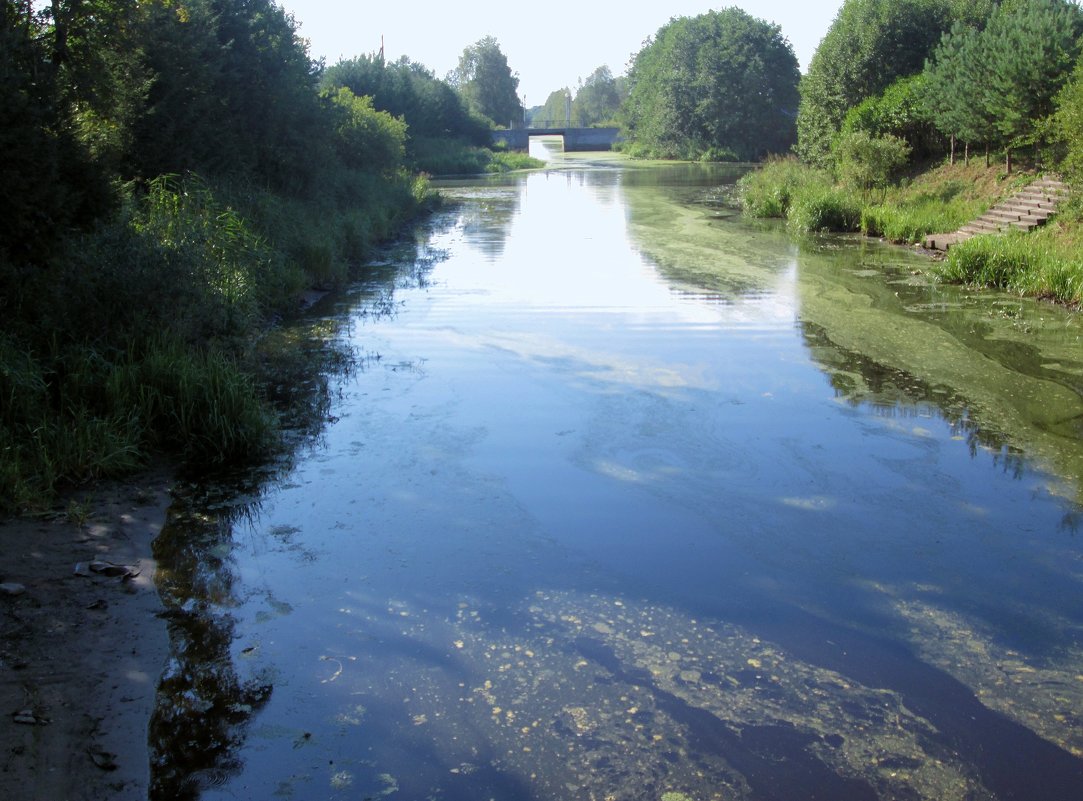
point(860, 732)
point(1044, 696)
point(596, 697)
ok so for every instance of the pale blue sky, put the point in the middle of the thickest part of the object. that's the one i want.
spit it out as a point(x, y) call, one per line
point(550, 45)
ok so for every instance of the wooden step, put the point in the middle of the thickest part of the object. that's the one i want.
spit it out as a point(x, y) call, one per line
point(1025, 210)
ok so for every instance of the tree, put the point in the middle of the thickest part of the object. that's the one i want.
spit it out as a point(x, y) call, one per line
point(868, 47)
point(1068, 122)
point(1030, 51)
point(232, 91)
point(49, 180)
point(597, 100)
point(485, 80)
point(901, 111)
point(409, 90)
point(367, 139)
point(869, 162)
point(557, 109)
point(722, 81)
point(998, 84)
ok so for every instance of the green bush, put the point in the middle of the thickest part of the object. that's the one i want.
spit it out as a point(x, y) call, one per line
point(193, 402)
point(866, 162)
point(444, 157)
point(507, 162)
point(80, 413)
point(367, 138)
point(719, 155)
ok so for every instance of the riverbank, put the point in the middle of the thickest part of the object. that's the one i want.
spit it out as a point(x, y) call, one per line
point(1045, 263)
point(82, 646)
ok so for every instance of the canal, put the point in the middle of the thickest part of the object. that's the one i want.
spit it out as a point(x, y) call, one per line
point(614, 494)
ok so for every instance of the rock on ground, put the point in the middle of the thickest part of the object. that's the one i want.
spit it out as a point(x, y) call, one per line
point(80, 655)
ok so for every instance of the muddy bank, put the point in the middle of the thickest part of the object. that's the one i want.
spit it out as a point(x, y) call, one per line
point(81, 645)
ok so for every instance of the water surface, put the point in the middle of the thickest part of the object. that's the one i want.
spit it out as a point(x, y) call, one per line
point(627, 497)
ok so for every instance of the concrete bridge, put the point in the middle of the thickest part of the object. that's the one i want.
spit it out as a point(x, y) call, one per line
point(575, 139)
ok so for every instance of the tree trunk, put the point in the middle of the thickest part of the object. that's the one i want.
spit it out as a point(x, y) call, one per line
point(986, 154)
point(60, 34)
point(1008, 160)
point(952, 160)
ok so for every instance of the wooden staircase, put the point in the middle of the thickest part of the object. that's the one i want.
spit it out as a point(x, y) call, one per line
point(1024, 211)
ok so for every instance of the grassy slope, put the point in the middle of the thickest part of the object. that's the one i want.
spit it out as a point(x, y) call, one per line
point(1047, 263)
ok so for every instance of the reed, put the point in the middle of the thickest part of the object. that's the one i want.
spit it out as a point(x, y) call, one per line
point(911, 222)
point(1046, 264)
point(771, 190)
point(815, 209)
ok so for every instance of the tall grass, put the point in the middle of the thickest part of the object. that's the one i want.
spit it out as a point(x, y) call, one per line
point(824, 209)
point(771, 190)
point(938, 200)
point(1040, 264)
point(80, 414)
point(911, 222)
point(507, 161)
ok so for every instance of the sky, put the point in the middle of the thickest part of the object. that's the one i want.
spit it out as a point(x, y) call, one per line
point(550, 45)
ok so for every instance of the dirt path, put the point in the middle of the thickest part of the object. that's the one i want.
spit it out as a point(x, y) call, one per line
point(81, 650)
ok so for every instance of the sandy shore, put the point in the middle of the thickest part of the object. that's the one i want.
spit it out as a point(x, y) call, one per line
point(81, 650)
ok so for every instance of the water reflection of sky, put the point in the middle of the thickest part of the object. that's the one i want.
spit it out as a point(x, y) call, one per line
point(581, 531)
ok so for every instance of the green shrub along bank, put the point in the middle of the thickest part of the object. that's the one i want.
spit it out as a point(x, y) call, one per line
point(912, 222)
point(138, 338)
point(78, 413)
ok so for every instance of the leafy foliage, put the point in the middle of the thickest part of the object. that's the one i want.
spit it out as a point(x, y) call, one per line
point(950, 77)
point(997, 85)
point(901, 111)
point(770, 190)
point(366, 137)
point(49, 180)
point(430, 107)
point(173, 179)
point(232, 92)
point(557, 109)
point(598, 99)
point(721, 80)
point(870, 45)
point(485, 80)
point(1067, 124)
point(868, 162)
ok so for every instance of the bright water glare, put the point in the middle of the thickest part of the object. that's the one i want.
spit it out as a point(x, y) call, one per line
point(630, 498)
